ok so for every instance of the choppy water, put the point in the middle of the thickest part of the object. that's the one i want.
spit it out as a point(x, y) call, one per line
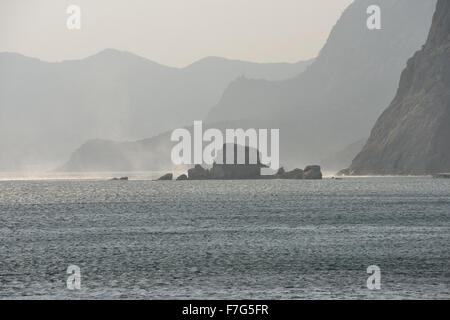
point(226, 239)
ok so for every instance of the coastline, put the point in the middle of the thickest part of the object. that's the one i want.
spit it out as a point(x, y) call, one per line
point(149, 176)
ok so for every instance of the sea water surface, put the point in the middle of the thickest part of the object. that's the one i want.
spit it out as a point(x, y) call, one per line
point(273, 239)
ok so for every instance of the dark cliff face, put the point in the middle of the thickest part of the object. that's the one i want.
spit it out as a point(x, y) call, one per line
point(412, 136)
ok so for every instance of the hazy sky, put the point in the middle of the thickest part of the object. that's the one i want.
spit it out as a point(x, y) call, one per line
point(171, 32)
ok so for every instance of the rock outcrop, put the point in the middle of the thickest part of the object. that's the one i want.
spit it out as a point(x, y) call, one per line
point(294, 174)
point(198, 173)
point(412, 136)
point(312, 173)
point(239, 172)
point(247, 170)
point(442, 176)
point(223, 171)
point(167, 176)
point(182, 177)
point(120, 179)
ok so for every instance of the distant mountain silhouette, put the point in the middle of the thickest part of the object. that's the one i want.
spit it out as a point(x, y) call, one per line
point(412, 136)
point(339, 97)
point(49, 109)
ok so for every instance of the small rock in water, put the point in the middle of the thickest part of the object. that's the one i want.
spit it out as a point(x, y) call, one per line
point(182, 177)
point(121, 179)
point(313, 173)
point(167, 176)
point(442, 176)
point(294, 174)
point(198, 173)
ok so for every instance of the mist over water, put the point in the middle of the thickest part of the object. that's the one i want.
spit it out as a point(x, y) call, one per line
point(101, 176)
point(226, 239)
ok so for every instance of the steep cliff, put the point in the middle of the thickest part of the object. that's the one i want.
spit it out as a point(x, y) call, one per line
point(412, 136)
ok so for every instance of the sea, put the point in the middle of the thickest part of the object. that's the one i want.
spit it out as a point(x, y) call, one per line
point(253, 239)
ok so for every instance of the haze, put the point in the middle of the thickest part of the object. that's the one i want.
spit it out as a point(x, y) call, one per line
point(171, 32)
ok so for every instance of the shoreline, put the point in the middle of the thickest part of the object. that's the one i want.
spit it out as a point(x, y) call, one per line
point(153, 176)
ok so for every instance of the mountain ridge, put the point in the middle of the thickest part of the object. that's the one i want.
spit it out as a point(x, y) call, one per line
point(112, 51)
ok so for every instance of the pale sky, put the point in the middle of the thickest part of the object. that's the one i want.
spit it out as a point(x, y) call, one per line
point(171, 32)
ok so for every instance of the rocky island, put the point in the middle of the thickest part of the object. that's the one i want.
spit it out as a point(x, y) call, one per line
point(244, 171)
